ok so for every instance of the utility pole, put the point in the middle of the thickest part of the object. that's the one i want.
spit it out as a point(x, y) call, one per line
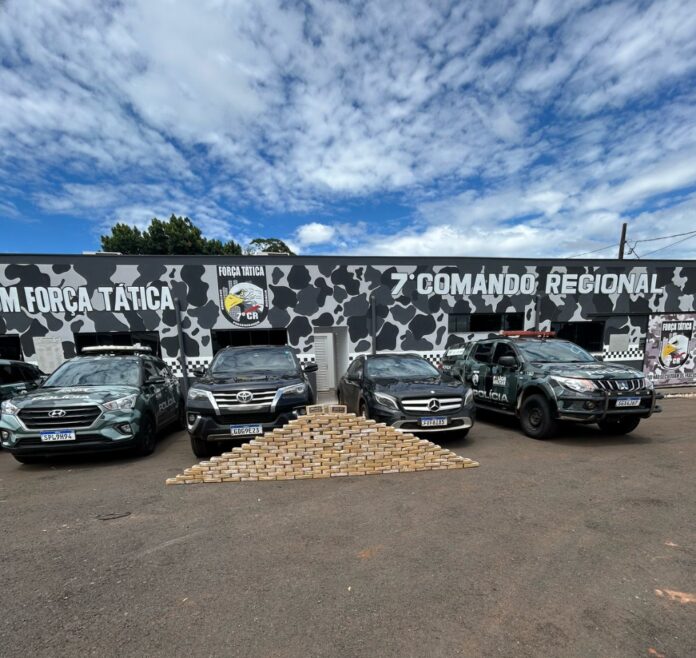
point(622, 244)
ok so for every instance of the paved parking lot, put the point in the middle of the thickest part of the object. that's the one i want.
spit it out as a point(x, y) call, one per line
point(574, 547)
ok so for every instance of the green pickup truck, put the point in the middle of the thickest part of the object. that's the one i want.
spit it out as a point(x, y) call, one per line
point(543, 380)
point(110, 398)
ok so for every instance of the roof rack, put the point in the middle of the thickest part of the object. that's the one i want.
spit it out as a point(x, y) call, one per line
point(528, 334)
point(116, 349)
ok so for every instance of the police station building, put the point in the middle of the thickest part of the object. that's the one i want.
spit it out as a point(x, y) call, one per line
point(331, 308)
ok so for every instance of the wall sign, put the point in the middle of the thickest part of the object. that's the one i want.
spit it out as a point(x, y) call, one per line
point(670, 349)
point(243, 294)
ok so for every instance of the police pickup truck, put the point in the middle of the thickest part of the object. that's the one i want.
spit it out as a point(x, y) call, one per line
point(542, 380)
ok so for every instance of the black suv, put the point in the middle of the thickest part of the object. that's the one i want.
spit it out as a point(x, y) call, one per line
point(405, 391)
point(542, 380)
point(245, 392)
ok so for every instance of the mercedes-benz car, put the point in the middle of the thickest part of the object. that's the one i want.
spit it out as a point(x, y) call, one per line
point(245, 392)
point(407, 392)
point(542, 379)
point(110, 398)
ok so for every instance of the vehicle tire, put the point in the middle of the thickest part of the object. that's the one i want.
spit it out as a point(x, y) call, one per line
point(28, 459)
point(619, 425)
point(201, 448)
point(536, 417)
point(362, 409)
point(147, 437)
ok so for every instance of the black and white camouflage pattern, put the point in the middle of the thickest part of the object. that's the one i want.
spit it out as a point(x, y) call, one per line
point(309, 293)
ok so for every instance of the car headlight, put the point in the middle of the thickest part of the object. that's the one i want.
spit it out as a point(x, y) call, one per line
point(468, 396)
point(200, 394)
point(295, 389)
point(386, 400)
point(578, 385)
point(127, 402)
point(9, 408)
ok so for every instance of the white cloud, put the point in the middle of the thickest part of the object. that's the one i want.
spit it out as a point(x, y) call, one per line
point(561, 117)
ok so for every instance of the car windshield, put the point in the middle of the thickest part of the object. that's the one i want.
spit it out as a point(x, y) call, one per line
point(96, 372)
point(241, 362)
point(554, 351)
point(399, 367)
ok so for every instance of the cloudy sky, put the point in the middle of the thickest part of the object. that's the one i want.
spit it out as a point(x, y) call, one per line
point(514, 128)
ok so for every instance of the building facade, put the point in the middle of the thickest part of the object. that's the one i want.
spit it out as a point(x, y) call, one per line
point(332, 308)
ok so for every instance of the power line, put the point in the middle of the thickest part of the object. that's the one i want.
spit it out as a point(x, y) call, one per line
point(693, 235)
point(609, 246)
point(664, 237)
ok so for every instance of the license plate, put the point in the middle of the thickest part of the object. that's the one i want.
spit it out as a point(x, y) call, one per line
point(628, 402)
point(245, 430)
point(435, 421)
point(58, 435)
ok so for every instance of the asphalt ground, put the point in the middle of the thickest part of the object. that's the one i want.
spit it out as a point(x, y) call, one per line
point(573, 547)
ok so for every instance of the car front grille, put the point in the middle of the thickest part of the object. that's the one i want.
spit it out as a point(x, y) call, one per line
point(245, 418)
point(45, 419)
point(229, 399)
point(620, 385)
point(426, 405)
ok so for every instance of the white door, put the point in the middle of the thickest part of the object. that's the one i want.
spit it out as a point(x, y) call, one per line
point(324, 354)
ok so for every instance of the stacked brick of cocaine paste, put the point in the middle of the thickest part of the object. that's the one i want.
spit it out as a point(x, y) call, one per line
point(327, 442)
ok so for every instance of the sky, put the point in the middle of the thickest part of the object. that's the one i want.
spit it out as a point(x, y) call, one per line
point(478, 128)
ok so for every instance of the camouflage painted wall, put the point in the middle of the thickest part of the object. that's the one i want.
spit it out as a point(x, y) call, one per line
point(305, 294)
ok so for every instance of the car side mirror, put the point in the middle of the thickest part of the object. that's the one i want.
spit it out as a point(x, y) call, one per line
point(198, 372)
point(154, 380)
point(599, 357)
point(310, 367)
point(507, 362)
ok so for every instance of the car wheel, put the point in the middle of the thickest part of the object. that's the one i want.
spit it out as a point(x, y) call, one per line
point(28, 459)
point(201, 448)
point(619, 425)
point(536, 418)
point(147, 438)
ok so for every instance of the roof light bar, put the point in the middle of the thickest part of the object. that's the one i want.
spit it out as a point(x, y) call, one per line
point(528, 334)
point(125, 349)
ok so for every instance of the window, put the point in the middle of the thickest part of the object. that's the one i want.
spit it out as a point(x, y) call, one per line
point(485, 322)
point(10, 348)
point(145, 338)
point(458, 323)
point(355, 369)
point(589, 335)
point(503, 349)
point(482, 352)
point(244, 337)
point(11, 374)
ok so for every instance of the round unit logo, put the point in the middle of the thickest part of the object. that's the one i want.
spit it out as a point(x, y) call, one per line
point(57, 413)
point(243, 294)
point(434, 405)
point(674, 350)
point(245, 397)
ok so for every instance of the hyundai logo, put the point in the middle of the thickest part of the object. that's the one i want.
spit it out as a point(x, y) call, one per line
point(57, 413)
point(245, 396)
point(434, 405)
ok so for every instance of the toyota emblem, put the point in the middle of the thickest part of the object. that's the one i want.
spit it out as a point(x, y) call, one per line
point(245, 396)
point(57, 413)
point(434, 405)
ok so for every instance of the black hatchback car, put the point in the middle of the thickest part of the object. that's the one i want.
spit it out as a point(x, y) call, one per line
point(405, 391)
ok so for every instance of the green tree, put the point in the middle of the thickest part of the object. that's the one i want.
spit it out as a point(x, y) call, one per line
point(268, 246)
point(175, 236)
point(124, 239)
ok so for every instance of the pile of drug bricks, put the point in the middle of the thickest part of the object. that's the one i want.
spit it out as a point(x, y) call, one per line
point(327, 442)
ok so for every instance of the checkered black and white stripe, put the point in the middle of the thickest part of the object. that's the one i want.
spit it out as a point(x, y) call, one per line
point(191, 363)
point(633, 353)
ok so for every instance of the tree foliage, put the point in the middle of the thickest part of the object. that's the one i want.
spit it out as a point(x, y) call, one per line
point(268, 246)
point(175, 236)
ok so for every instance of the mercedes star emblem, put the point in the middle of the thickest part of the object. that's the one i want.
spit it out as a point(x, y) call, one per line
point(245, 396)
point(434, 405)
